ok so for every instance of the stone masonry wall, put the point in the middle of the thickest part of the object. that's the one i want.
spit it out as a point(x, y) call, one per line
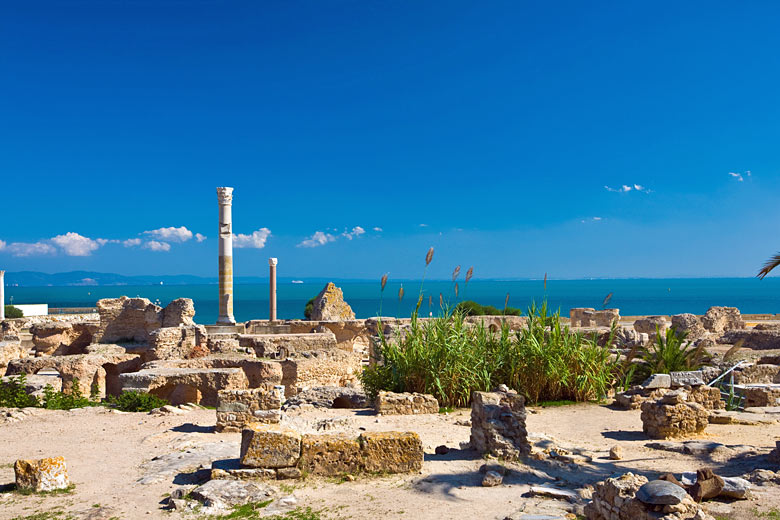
point(236, 408)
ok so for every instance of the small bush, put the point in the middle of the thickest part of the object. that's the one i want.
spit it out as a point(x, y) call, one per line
point(309, 308)
point(12, 312)
point(65, 401)
point(472, 308)
point(672, 353)
point(14, 395)
point(132, 401)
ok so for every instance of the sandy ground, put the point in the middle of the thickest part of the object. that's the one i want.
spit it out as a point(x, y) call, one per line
point(108, 453)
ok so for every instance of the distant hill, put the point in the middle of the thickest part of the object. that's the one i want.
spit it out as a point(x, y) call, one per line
point(81, 278)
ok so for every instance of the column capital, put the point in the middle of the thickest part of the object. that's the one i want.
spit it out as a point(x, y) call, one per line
point(225, 195)
point(272, 261)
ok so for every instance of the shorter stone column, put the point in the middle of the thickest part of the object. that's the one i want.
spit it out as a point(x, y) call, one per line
point(272, 291)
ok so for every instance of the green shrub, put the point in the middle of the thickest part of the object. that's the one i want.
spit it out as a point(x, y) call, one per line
point(671, 353)
point(132, 401)
point(13, 312)
point(472, 308)
point(65, 401)
point(14, 395)
point(309, 308)
point(450, 359)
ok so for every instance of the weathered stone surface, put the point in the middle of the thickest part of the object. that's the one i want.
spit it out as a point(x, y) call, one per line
point(330, 305)
point(707, 396)
point(133, 319)
point(761, 395)
point(658, 381)
point(650, 324)
point(615, 453)
point(11, 328)
point(391, 452)
point(281, 346)
point(616, 499)
point(269, 446)
point(56, 338)
point(330, 455)
point(259, 372)
point(41, 475)
point(689, 324)
point(10, 349)
point(690, 378)
point(320, 368)
point(721, 319)
point(757, 339)
point(236, 408)
point(329, 397)
point(185, 385)
point(589, 317)
point(390, 403)
point(498, 424)
point(660, 493)
point(492, 479)
point(225, 494)
point(758, 373)
point(673, 416)
point(177, 342)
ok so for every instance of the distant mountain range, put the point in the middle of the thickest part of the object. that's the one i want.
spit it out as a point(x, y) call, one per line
point(33, 278)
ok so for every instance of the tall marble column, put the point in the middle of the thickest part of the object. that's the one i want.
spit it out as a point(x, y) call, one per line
point(2, 295)
point(272, 282)
point(225, 198)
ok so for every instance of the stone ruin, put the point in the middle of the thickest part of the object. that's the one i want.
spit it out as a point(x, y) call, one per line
point(279, 451)
point(673, 416)
point(237, 408)
point(632, 497)
point(329, 305)
point(498, 424)
point(589, 317)
point(658, 385)
point(389, 403)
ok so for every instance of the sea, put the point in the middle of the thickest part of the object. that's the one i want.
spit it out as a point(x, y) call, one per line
point(631, 296)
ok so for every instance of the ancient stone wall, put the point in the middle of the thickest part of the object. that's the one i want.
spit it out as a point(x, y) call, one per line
point(133, 319)
point(177, 343)
point(237, 408)
point(758, 373)
point(390, 403)
point(673, 416)
point(281, 346)
point(329, 305)
point(589, 317)
point(498, 424)
point(320, 368)
point(688, 324)
point(721, 319)
point(185, 385)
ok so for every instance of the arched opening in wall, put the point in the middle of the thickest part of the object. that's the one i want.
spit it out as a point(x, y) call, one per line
point(45, 376)
point(342, 402)
point(177, 394)
point(112, 384)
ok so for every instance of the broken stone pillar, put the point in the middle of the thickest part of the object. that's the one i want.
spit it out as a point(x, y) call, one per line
point(225, 198)
point(272, 282)
point(2, 295)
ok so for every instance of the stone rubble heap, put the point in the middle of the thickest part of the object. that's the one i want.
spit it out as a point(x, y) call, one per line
point(673, 416)
point(498, 424)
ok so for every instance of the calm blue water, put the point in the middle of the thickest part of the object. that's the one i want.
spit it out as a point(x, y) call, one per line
point(632, 297)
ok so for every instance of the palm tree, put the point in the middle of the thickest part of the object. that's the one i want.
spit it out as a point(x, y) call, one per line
point(769, 265)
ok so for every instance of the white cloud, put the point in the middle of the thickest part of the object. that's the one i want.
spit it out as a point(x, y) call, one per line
point(199, 237)
point(740, 176)
point(154, 245)
point(30, 249)
point(317, 239)
point(131, 242)
point(356, 232)
point(626, 188)
point(592, 219)
point(2, 245)
point(74, 244)
point(423, 225)
point(171, 234)
point(378, 229)
point(256, 240)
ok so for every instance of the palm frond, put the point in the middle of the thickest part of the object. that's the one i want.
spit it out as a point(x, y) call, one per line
point(768, 266)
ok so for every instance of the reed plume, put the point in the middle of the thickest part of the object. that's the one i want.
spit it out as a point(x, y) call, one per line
point(730, 353)
point(401, 293)
point(606, 301)
point(384, 281)
point(429, 257)
point(469, 273)
point(455, 273)
point(456, 290)
point(768, 266)
point(545, 281)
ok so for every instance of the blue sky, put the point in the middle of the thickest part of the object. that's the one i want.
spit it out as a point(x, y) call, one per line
point(504, 134)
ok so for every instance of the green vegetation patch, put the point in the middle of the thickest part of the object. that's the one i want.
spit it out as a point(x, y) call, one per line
point(12, 312)
point(472, 308)
point(132, 401)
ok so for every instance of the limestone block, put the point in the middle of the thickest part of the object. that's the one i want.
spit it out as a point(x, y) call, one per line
point(721, 319)
point(390, 403)
point(329, 305)
point(41, 475)
point(330, 455)
point(498, 424)
point(673, 416)
point(391, 452)
point(690, 378)
point(235, 408)
point(689, 324)
point(658, 381)
point(650, 324)
point(269, 446)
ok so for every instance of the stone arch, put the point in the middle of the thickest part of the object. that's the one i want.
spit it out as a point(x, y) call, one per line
point(178, 393)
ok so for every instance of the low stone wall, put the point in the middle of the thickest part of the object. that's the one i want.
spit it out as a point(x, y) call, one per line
point(320, 368)
point(673, 416)
point(390, 403)
point(589, 317)
point(616, 499)
point(757, 339)
point(237, 408)
point(279, 448)
point(281, 346)
point(259, 372)
point(177, 343)
point(762, 395)
point(185, 385)
point(759, 373)
point(707, 396)
point(498, 424)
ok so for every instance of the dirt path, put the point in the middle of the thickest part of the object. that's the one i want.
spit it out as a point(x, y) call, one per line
point(108, 453)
